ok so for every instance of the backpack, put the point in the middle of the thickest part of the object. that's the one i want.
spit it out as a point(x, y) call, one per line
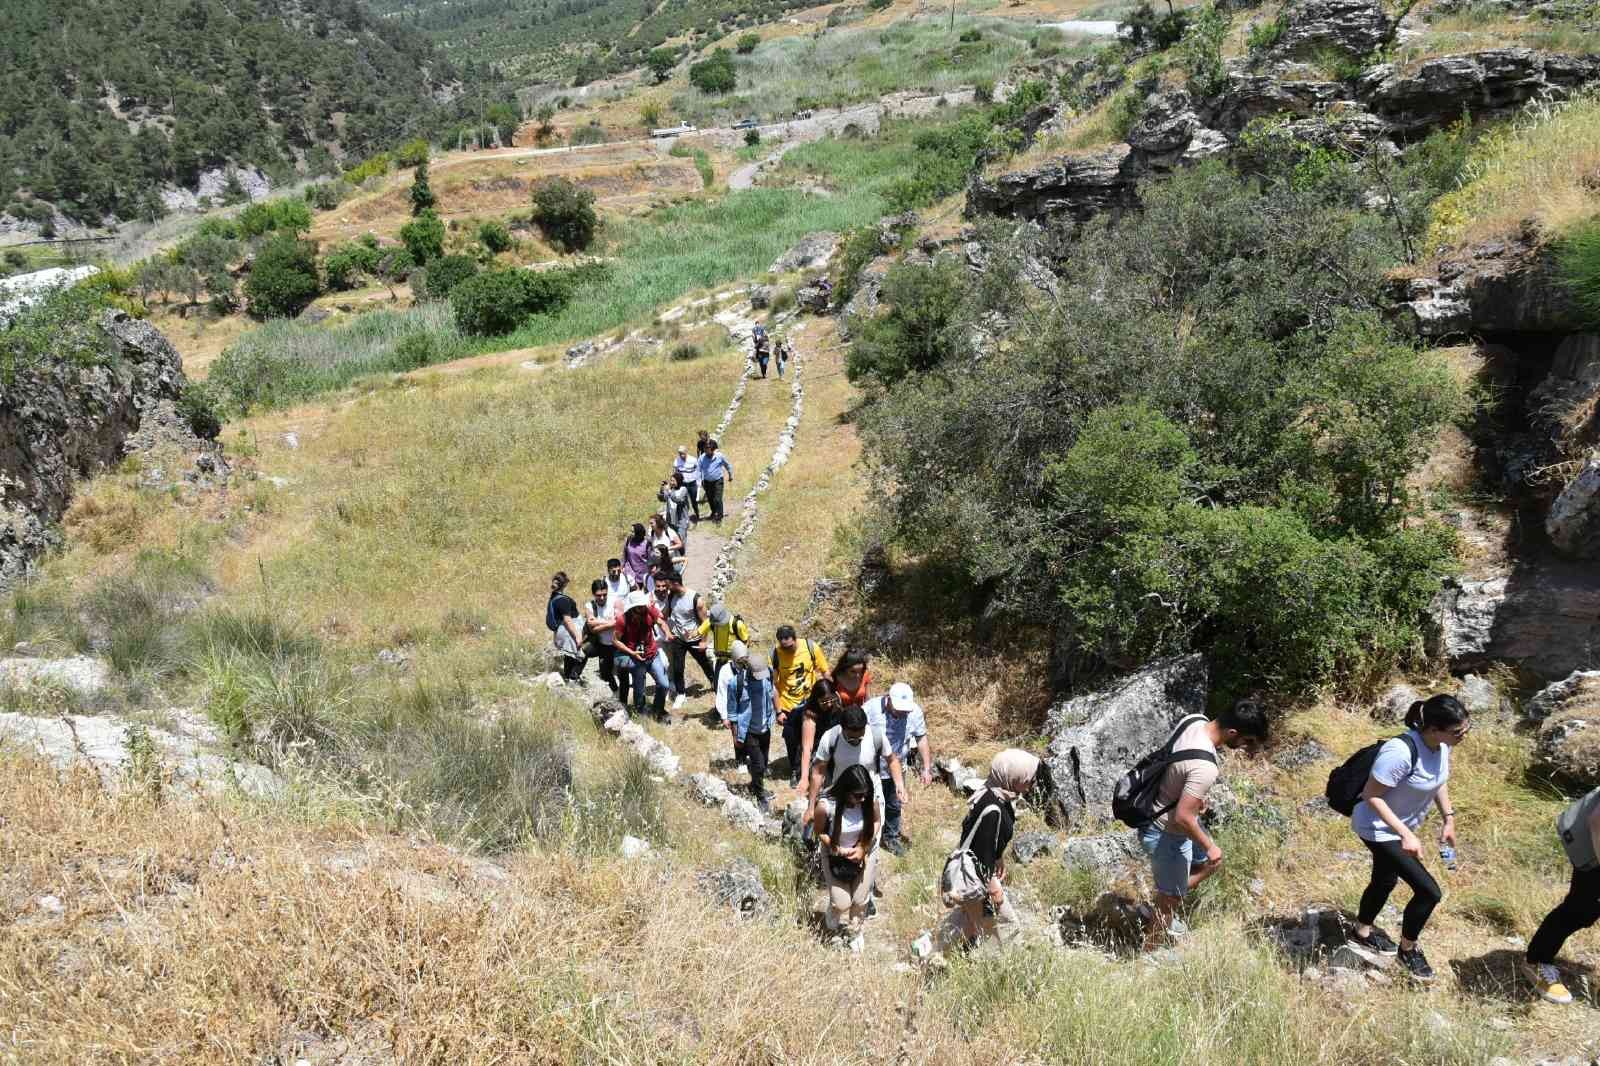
point(962, 881)
point(1573, 826)
point(1133, 800)
point(551, 622)
point(1349, 779)
point(811, 653)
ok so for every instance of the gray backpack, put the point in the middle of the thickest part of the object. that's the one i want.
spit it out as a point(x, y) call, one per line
point(1576, 837)
point(961, 881)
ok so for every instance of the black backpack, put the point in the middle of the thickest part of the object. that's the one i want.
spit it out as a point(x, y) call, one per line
point(1134, 799)
point(1349, 779)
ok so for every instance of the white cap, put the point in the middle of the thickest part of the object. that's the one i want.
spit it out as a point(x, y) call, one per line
point(902, 699)
point(683, 449)
point(739, 650)
point(637, 598)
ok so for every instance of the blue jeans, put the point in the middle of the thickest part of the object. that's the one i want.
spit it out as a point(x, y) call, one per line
point(631, 671)
point(891, 811)
point(1171, 860)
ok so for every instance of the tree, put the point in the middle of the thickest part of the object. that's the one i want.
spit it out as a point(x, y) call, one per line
point(423, 236)
point(747, 43)
point(546, 116)
point(661, 61)
point(715, 74)
point(446, 273)
point(411, 154)
point(565, 213)
point(499, 301)
point(650, 113)
point(494, 236)
point(284, 278)
point(422, 198)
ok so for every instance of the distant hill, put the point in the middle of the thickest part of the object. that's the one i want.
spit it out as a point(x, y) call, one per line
point(585, 39)
point(102, 104)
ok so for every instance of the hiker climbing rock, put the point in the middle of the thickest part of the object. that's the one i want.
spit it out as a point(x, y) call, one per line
point(973, 882)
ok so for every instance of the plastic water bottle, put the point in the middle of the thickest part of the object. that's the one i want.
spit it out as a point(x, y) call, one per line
point(1447, 855)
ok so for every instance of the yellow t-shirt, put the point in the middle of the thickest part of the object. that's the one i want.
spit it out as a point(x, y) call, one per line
point(723, 636)
point(796, 672)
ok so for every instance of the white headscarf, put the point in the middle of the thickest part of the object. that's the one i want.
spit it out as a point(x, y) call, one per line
point(1010, 774)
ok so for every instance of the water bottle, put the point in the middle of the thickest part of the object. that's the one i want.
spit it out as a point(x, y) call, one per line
point(1447, 855)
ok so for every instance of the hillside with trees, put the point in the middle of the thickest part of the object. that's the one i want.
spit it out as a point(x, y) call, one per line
point(103, 105)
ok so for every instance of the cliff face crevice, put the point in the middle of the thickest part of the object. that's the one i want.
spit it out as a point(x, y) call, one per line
point(60, 422)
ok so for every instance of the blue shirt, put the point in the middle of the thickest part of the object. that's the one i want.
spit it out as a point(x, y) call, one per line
point(713, 466)
point(752, 703)
point(1412, 787)
point(899, 730)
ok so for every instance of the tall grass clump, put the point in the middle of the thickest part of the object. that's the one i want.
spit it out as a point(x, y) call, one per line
point(285, 362)
point(1578, 257)
point(134, 619)
point(266, 685)
point(626, 801)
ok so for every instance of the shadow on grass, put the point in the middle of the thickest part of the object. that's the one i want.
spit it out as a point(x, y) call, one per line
point(1495, 976)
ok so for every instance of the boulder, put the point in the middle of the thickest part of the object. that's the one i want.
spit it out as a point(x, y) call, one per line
point(1107, 853)
point(80, 674)
point(1205, 144)
point(812, 252)
point(1487, 83)
point(1097, 737)
point(1071, 187)
point(1393, 704)
point(1025, 847)
point(1544, 617)
point(1480, 696)
point(863, 303)
point(1354, 27)
point(893, 230)
point(1568, 747)
point(1499, 286)
point(1113, 921)
point(1252, 96)
point(1555, 695)
point(1167, 124)
point(1573, 522)
point(760, 297)
point(737, 886)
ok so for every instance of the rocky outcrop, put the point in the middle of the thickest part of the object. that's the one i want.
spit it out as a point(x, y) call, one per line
point(1076, 187)
point(60, 422)
point(1500, 286)
point(1480, 84)
point(1106, 853)
point(863, 303)
point(812, 252)
point(1545, 618)
point(1573, 522)
point(1168, 124)
point(1568, 748)
point(1251, 96)
point(1558, 694)
point(1353, 27)
point(1096, 738)
point(737, 887)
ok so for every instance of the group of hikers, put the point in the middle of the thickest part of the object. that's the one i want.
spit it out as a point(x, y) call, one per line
point(848, 752)
point(764, 348)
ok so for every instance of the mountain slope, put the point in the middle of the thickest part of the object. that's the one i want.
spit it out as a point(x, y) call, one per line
point(102, 103)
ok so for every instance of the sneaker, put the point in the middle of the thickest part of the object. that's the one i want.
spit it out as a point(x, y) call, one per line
point(1377, 941)
point(1416, 963)
point(894, 847)
point(794, 779)
point(678, 701)
point(764, 805)
point(666, 719)
point(872, 908)
point(1546, 980)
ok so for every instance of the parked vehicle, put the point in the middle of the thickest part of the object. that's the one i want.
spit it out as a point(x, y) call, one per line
point(675, 131)
point(748, 123)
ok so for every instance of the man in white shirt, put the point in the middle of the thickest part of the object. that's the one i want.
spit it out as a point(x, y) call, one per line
point(618, 583)
point(690, 470)
point(900, 718)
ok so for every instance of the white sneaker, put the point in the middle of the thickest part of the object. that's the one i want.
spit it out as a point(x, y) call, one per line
point(677, 704)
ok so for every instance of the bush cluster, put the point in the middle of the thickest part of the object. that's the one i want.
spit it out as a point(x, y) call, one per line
point(284, 278)
point(498, 301)
point(715, 74)
point(564, 211)
point(445, 274)
point(423, 236)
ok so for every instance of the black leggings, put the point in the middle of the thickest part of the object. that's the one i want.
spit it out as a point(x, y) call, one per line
point(1579, 910)
point(1390, 866)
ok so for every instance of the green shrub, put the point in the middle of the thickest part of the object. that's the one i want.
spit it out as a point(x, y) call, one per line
point(197, 406)
point(1143, 27)
point(373, 167)
point(715, 74)
point(683, 353)
point(283, 279)
point(64, 327)
point(752, 137)
point(218, 226)
point(1263, 35)
point(983, 90)
point(494, 236)
point(342, 268)
point(945, 156)
point(860, 247)
point(878, 5)
point(423, 237)
point(1578, 261)
point(1201, 51)
point(564, 211)
point(747, 43)
point(326, 195)
point(498, 301)
point(421, 192)
point(274, 216)
point(412, 154)
point(589, 133)
point(971, 36)
point(921, 328)
point(446, 273)
point(661, 61)
point(135, 619)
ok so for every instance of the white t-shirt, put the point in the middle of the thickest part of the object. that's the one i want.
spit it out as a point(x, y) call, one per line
point(599, 613)
point(838, 754)
point(1412, 786)
point(688, 467)
point(1190, 777)
point(851, 824)
point(725, 680)
point(617, 591)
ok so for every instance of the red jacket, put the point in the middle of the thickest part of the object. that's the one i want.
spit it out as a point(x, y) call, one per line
point(637, 630)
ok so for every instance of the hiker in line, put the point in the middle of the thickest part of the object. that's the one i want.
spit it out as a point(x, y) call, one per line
point(751, 708)
point(636, 555)
point(561, 618)
point(986, 833)
point(655, 581)
point(850, 743)
point(618, 584)
point(686, 614)
point(689, 470)
point(1182, 854)
point(759, 340)
point(1579, 828)
point(847, 823)
point(715, 474)
point(900, 718)
point(675, 495)
point(662, 536)
point(782, 356)
point(850, 679)
point(1408, 776)
point(796, 668)
point(639, 654)
point(820, 712)
point(598, 625)
point(727, 676)
point(725, 630)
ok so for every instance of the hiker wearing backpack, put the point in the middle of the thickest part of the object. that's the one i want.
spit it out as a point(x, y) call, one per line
point(686, 615)
point(1579, 829)
point(1408, 775)
point(752, 706)
point(727, 676)
point(973, 882)
point(900, 717)
point(561, 618)
point(1164, 796)
point(599, 622)
point(639, 654)
point(725, 630)
point(853, 742)
point(847, 822)
point(847, 687)
point(675, 495)
point(796, 667)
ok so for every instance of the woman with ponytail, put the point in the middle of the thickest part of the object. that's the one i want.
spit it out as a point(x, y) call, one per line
point(847, 823)
point(1408, 776)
